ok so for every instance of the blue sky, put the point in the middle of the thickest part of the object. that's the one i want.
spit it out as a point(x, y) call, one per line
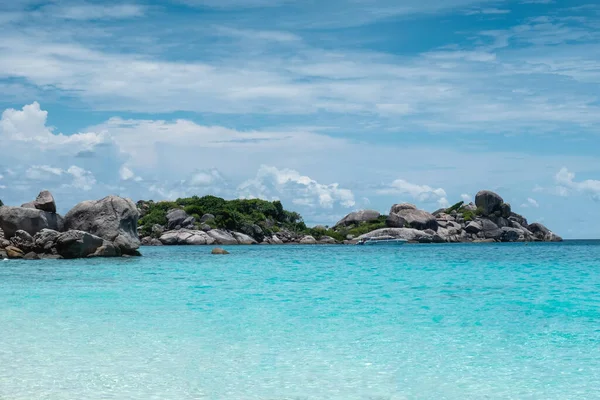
point(328, 106)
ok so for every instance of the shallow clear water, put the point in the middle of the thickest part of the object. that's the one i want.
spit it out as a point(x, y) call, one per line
point(300, 322)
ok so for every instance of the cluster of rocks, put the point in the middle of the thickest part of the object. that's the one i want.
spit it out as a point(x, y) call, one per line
point(490, 219)
point(102, 228)
point(183, 229)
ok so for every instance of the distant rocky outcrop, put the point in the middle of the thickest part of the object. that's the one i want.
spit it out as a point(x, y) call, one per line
point(102, 228)
point(489, 219)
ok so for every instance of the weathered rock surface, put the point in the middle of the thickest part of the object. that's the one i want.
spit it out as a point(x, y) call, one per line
point(417, 219)
point(45, 240)
point(357, 217)
point(410, 234)
point(540, 232)
point(473, 227)
point(395, 221)
point(14, 252)
point(186, 237)
point(222, 237)
point(30, 220)
point(112, 218)
point(45, 202)
point(489, 202)
point(77, 244)
point(327, 240)
point(243, 238)
point(308, 239)
point(23, 241)
point(176, 218)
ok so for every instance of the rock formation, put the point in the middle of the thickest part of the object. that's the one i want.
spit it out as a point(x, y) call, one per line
point(111, 218)
point(103, 228)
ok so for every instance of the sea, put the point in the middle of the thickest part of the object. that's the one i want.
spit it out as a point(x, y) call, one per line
point(453, 321)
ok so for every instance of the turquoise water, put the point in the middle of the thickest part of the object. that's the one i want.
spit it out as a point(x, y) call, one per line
point(509, 321)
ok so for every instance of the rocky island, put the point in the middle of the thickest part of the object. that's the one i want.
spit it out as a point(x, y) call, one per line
point(211, 220)
point(112, 226)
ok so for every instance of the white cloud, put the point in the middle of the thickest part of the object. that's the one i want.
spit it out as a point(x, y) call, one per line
point(530, 203)
point(73, 177)
point(488, 11)
point(566, 182)
point(467, 198)
point(422, 193)
point(82, 179)
point(273, 183)
point(126, 173)
point(89, 12)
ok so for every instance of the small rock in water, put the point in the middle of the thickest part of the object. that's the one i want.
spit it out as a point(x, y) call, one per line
point(218, 250)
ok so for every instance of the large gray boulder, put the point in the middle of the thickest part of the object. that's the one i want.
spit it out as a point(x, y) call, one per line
point(222, 237)
point(242, 238)
point(45, 202)
point(112, 218)
point(489, 202)
point(395, 221)
point(490, 230)
point(176, 218)
point(417, 219)
point(473, 227)
point(30, 220)
point(77, 244)
point(186, 237)
point(308, 239)
point(357, 217)
point(412, 235)
point(540, 232)
point(512, 235)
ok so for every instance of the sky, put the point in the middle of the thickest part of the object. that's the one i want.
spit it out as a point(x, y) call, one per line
point(328, 106)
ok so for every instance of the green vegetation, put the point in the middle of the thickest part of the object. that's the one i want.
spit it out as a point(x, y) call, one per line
point(1, 203)
point(362, 228)
point(455, 207)
point(470, 215)
point(237, 215)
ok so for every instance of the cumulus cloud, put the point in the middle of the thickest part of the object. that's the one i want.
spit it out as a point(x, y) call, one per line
point(422, 193)
point(273, 183)
point(467, 198)
point(73, 177)
point(530, 203)
point(567, 184)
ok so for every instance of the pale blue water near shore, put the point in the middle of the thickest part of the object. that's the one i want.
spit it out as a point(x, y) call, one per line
point(414, 322)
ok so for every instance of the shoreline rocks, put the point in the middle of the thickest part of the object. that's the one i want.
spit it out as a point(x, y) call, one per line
point(102, 228)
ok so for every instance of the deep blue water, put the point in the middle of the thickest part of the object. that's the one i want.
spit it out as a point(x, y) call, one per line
point(510, 321)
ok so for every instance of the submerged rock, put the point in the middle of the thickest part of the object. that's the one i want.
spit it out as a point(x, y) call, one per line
point(219, 251)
